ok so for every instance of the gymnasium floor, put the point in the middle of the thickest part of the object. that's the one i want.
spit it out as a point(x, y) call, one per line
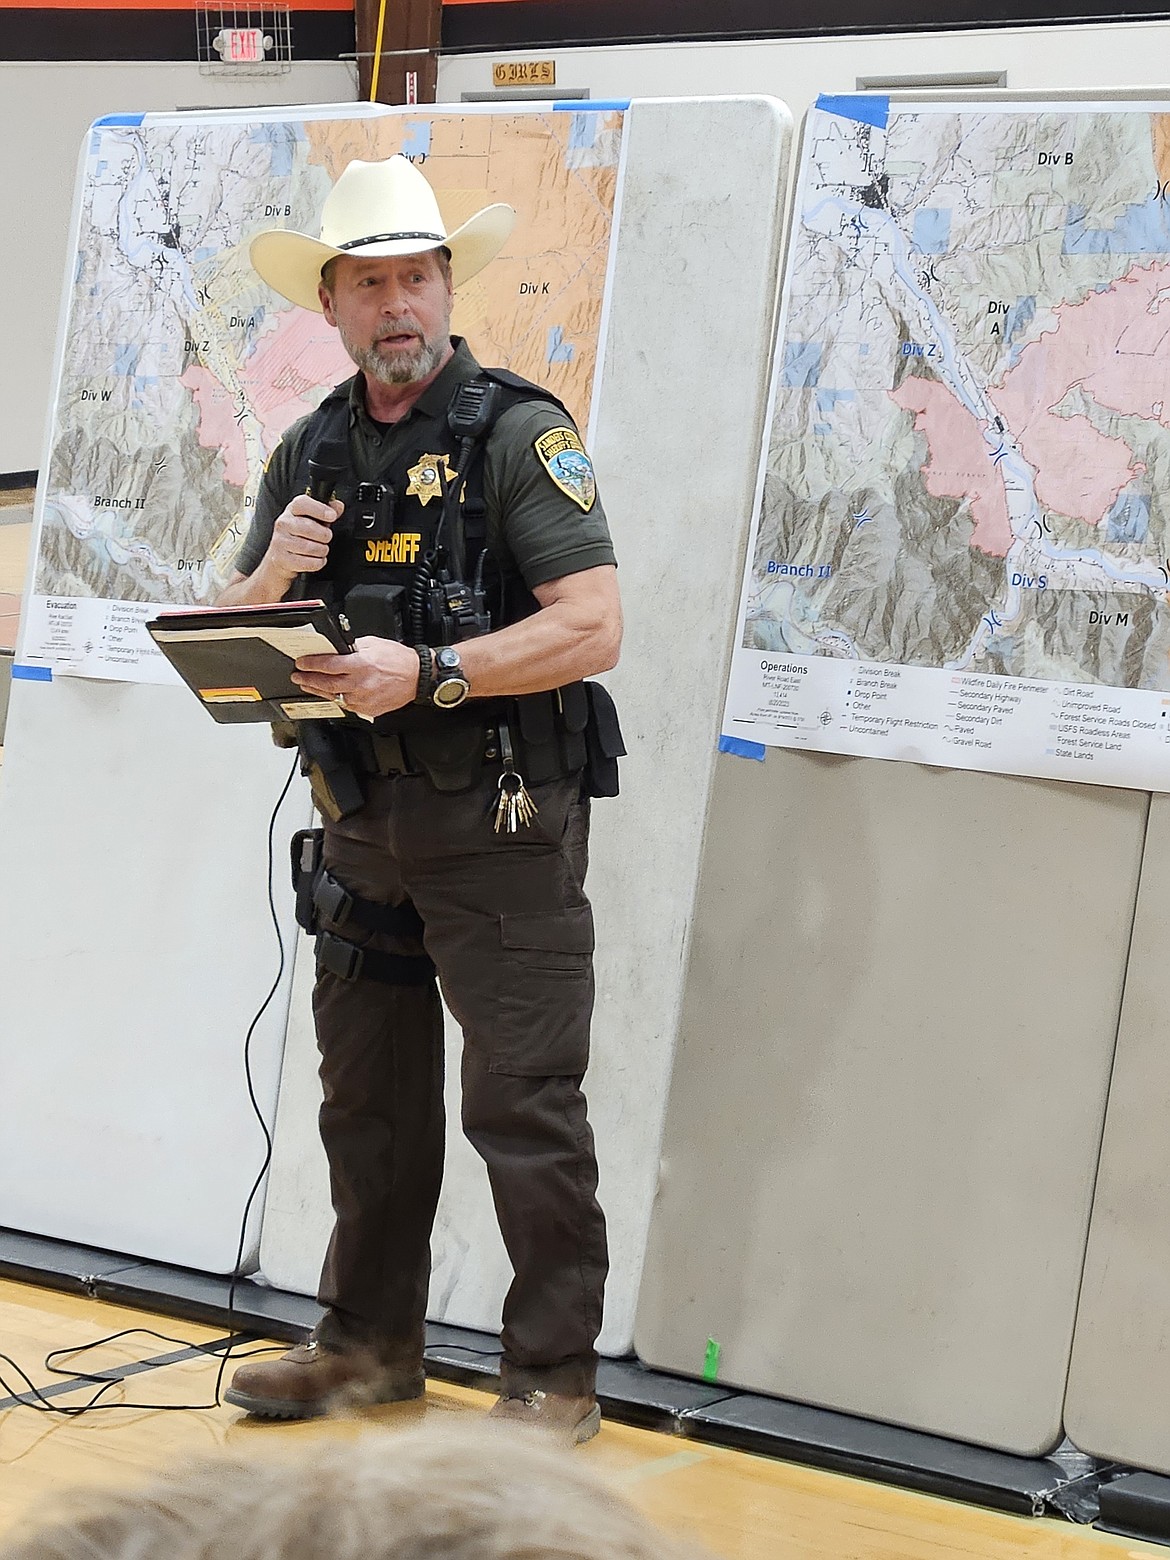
point(741, 1507)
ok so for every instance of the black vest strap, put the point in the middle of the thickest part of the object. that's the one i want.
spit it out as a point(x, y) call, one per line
point(507, 606)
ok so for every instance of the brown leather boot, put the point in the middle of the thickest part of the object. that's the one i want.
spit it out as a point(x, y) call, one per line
point(571, 1419)
point(310, 1381)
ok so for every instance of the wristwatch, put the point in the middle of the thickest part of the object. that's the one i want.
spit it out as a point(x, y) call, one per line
point(451, 686)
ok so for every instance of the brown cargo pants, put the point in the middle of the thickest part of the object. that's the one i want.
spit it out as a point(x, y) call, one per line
point(510, 932)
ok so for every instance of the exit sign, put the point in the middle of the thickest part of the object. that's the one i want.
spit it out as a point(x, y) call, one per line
point(241, 45)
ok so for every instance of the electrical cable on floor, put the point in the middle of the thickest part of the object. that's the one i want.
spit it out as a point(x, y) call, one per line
point(34, 1397)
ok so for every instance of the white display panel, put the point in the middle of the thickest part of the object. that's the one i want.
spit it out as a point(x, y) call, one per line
point(959, 553)
point(135, 949)
point(885, 1117)
point(676, 438)
point(1119, 1376)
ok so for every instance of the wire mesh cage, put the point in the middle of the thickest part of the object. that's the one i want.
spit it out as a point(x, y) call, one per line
point(243, 40)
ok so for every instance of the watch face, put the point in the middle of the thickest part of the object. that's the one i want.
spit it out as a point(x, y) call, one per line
point(447, 660)
point(450, 692)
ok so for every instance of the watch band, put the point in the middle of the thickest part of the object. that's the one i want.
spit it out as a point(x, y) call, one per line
point(426, 674)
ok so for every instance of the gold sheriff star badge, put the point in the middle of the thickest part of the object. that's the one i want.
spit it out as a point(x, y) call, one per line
point(428, 477)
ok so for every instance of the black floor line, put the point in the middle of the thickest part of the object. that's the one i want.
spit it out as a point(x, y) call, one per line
point(156, 1362)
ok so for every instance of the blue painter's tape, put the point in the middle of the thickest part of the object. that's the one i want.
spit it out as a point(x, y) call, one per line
point(593, 106)
point(865, 110)
point(119, 119)
point(738, 748)
point(31, 673)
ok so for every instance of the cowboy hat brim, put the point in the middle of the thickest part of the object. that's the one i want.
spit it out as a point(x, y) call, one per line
point(291, 262)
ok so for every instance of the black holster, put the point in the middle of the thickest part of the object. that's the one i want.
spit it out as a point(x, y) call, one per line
point(335, 780)
point(307, 846)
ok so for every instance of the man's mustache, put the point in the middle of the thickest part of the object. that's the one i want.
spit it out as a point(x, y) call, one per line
point(407, 328)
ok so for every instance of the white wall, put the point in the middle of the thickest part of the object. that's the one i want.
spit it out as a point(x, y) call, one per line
point(45, 110)
point(1112, 54)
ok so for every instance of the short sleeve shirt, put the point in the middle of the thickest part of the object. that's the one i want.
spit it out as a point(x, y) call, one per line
point(534, 526)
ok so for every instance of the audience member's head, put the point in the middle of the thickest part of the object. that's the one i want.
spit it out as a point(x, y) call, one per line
point(457, 1492)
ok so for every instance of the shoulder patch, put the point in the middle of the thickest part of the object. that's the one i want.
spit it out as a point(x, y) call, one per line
point(563, 456)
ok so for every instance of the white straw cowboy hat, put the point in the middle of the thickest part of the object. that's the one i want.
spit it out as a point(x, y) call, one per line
point(376, 210)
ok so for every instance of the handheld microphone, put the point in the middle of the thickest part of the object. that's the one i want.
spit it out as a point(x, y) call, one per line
point(327, 464)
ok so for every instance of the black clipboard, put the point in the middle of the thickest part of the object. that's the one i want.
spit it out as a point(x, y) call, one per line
point(239, 661)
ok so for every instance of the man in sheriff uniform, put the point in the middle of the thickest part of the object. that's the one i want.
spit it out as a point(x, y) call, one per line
point(468, 547)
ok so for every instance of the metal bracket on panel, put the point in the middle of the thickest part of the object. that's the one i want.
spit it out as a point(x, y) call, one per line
point(525, 94)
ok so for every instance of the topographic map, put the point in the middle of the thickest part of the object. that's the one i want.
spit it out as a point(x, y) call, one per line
point(181, 369)
point(959, 554)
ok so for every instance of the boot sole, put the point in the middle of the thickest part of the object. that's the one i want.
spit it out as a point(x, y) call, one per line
point(588, 1427)
point(274, 1408)
point(294, 1408)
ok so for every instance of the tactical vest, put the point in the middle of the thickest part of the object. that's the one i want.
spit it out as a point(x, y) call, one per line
point(388, 530)
point(378, 561)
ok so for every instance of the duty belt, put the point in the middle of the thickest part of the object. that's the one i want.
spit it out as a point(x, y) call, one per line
point(389, 753)
point(382, 753)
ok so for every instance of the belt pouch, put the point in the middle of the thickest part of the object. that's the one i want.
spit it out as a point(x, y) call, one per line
point(572, 719)
point(544, 752)
point(451, 757)
point(603, 742)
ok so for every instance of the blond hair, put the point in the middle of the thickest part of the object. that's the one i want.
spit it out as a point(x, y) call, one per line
point(439, 1493)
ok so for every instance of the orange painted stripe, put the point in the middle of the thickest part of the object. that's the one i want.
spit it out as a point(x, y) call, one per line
point(157, 5)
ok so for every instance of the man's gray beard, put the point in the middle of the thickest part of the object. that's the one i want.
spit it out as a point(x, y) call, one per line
point(403, 370)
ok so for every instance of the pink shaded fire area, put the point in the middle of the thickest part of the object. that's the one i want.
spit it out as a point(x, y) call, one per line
point(959, 465)
point(1115, 345)
point(300, 356)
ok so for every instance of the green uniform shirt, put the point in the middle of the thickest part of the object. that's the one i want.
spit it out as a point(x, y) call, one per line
point(533, 526)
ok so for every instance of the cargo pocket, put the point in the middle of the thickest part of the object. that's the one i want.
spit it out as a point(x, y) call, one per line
point(546, 993)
